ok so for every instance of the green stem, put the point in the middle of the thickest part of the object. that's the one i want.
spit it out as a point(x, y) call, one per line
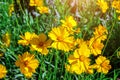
point(114, 52)
point(108, 39)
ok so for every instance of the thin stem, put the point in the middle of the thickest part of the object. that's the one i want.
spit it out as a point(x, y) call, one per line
point(108, 39)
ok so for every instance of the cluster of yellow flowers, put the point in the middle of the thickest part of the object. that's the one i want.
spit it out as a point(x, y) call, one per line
point(26, 61)
point(62, 38)
point(39, 42)
point(95, 43)
point(79, 61)
point(62, 35)
point(116, 5)
point(104, 6)
point(37, 3)
point(40, 6)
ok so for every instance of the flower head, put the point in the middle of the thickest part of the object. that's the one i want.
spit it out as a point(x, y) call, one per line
point(69, 23)
point(100, 32)
point(118, 17)
point(40, 43)
point(1, 54)
point(43, 9)
point(11, 9)
point(27, 64)
point(6, 39)
point(61, 39)
point(116, 5)
point(79, 63)
point(3, 71)
point(26, 39)
point(102, 64)
point(83, 49)
point(36, 3)
point(95, 46)
point(103, 5)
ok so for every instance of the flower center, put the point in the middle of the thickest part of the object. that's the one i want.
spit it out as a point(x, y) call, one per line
point(26, 63)
point(41, 44)
point(103, 64)
point(82, 58)
point(59, 38)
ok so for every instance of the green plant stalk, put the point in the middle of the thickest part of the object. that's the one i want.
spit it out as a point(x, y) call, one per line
point(24, 14)
point(108, 39)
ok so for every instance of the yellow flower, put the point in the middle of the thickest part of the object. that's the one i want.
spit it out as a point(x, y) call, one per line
point(78, 63)
point(1, 54)
point(95, 46)
point(79, 42)
point(36, 3)
point(95, 43)
point(69, 23)
point(3, 71)
point(100, 32)
point(43, 9)
point(103, 5)
point(27, 64)
point(40, 43)
point(102, 64)
point(11, 9)
point(118, 17)
point(26, 39)
point(116, 5)
point(61, 38)
point(83, 49)
point(6, 39)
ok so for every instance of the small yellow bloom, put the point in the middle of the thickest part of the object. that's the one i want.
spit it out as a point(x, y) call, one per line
point(116, 5)
point(1, 54)
point(61, 39)
point(102, 64)
point(83, 49)
point(43, 9)
point(95, 46)
point(40, 43)
point(3, 71)
point(118, 17)
point(27, 64)
point(100, 32)
point(11, 9)
point(78, 63)
point(79, 42)
point(69, 23)
point(103, 5)
point(26, 39)
point(36, 3)
point(6, 39)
